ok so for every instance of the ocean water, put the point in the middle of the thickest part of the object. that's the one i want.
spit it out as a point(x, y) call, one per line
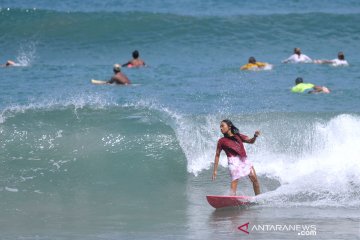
point(79, 161)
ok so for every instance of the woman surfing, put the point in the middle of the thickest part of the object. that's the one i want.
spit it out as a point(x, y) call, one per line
point(239, 165)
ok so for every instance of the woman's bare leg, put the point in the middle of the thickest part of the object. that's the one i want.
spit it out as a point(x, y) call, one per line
point(255, 181)
point(234, 187)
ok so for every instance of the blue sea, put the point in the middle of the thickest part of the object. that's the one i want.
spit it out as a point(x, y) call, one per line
point(81, 161)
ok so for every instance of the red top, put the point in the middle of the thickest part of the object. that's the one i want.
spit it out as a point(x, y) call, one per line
point(233, 146)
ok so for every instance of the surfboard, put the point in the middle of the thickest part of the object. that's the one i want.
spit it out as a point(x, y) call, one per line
point(98, 82)
point(101, 82)
point(228, 201)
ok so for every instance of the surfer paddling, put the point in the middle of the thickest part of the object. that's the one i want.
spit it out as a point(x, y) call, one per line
point(301, 87)
point(136, 61)
point(254, 65)
point(119, 77)
point(298, 57)
point(9, 63)
point(339, 61)
point(239, 165)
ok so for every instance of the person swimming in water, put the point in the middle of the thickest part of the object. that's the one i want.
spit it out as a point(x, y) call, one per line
point(339, 61)
point(301, 87)
point(136, 61)
point(239, 165)
point(254, 65)
point(297, 57)
point(119, 77)
point(9, 63)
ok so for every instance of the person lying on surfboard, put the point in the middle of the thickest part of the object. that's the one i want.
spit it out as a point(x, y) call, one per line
point(301, 87)
point(136, 61)
point(9, 63)
point(119, 77)
point(254, 65)
point(239, 165)
point(339, 61)
point(297, 57)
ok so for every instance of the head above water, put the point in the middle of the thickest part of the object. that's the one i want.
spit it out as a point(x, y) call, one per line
point(226, 125)
point(135, 54)
point(297, 51)
point(252, 60)
point(341, 56)
point(117, 68)
point(298, 80)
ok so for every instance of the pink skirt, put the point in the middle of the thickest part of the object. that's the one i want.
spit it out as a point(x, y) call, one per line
point(239, 167)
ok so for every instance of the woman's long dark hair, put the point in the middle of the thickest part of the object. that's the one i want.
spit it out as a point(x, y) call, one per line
point(233, 129)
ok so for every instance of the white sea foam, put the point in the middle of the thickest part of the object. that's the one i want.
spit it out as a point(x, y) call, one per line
point(322, 169)
point(79, 101)
point(329, 174)
point(11, 189)
point(26, 54)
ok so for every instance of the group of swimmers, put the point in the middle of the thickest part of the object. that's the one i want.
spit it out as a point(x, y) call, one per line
point(118, 77)
point(298, 57)
point(121, 78)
